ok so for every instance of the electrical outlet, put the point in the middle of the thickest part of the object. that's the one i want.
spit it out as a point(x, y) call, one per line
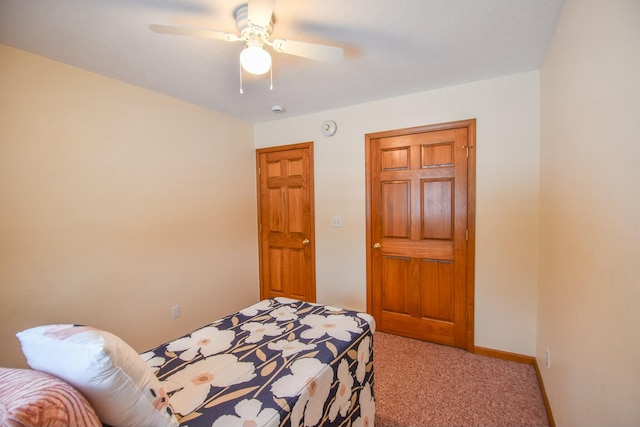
point(175, 311)
point(336, 222)
point(548, 358)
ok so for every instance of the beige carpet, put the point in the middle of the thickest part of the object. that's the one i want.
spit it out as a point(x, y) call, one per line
point(423, 384)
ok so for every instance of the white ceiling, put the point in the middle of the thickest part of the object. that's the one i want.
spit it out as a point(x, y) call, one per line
point(391, 47)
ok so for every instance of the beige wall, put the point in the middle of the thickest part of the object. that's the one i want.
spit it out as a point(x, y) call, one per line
point(507, 113)
point(589, 292)
point(117, 203)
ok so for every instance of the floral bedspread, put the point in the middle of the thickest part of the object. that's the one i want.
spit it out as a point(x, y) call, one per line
point(280, 362)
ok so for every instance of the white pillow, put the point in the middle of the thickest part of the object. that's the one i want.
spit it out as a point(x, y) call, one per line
point(112, 376)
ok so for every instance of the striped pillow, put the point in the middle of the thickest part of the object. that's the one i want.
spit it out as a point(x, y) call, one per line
point(34, 398)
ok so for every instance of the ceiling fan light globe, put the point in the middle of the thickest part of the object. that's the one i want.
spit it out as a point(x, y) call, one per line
point(255, 60)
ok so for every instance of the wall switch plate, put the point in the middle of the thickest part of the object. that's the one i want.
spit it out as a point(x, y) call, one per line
point(548, 358)
point(336, 222)
point(175, 311)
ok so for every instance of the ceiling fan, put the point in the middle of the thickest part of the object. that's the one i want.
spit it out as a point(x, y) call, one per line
point(254, 22)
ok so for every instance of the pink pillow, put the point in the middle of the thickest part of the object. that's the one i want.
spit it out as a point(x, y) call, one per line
point(34, 398)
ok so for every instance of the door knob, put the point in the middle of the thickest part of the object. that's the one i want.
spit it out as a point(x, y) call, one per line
point(377, 246)
point(306, 242)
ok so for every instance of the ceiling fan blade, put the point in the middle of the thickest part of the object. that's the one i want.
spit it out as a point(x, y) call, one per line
point(309, 50)
point(193, 32)
point(260, 12)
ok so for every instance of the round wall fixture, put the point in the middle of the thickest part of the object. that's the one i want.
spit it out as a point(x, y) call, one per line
point(329, 127)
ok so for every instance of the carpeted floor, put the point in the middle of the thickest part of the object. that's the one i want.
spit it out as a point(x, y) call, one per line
point(422, 384)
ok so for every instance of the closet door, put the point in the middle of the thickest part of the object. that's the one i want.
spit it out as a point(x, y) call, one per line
point(418, 233)
point(286, 222)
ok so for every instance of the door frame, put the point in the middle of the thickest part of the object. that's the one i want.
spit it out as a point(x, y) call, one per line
point(311, 288)
point(470, 125)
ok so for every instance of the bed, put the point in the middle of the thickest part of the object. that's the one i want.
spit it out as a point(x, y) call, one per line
point(280, 362)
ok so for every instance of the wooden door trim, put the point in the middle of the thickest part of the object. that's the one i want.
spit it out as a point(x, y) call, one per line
point(312, 225)
point(470, 125)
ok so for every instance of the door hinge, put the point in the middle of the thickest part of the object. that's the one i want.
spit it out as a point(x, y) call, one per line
point(466, 234)
point(467, 147)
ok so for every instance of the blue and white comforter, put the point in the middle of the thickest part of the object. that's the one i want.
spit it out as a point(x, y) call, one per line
point(280, 362)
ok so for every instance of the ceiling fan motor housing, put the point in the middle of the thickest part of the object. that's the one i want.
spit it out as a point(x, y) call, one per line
point(249, 31)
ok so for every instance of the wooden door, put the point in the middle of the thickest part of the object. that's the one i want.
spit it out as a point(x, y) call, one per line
point(286, 222)
point(420, 199)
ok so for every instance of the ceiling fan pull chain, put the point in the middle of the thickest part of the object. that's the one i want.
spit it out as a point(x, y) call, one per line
point(241, 91)
point(271, 74)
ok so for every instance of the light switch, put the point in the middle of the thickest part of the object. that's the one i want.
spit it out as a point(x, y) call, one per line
point(175, 311)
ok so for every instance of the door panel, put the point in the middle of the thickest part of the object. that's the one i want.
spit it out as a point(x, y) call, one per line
point(436, 215)
point(396, 220)
point(396, 270)
point(285, 220)
point(418, 258)
point(437, 286)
